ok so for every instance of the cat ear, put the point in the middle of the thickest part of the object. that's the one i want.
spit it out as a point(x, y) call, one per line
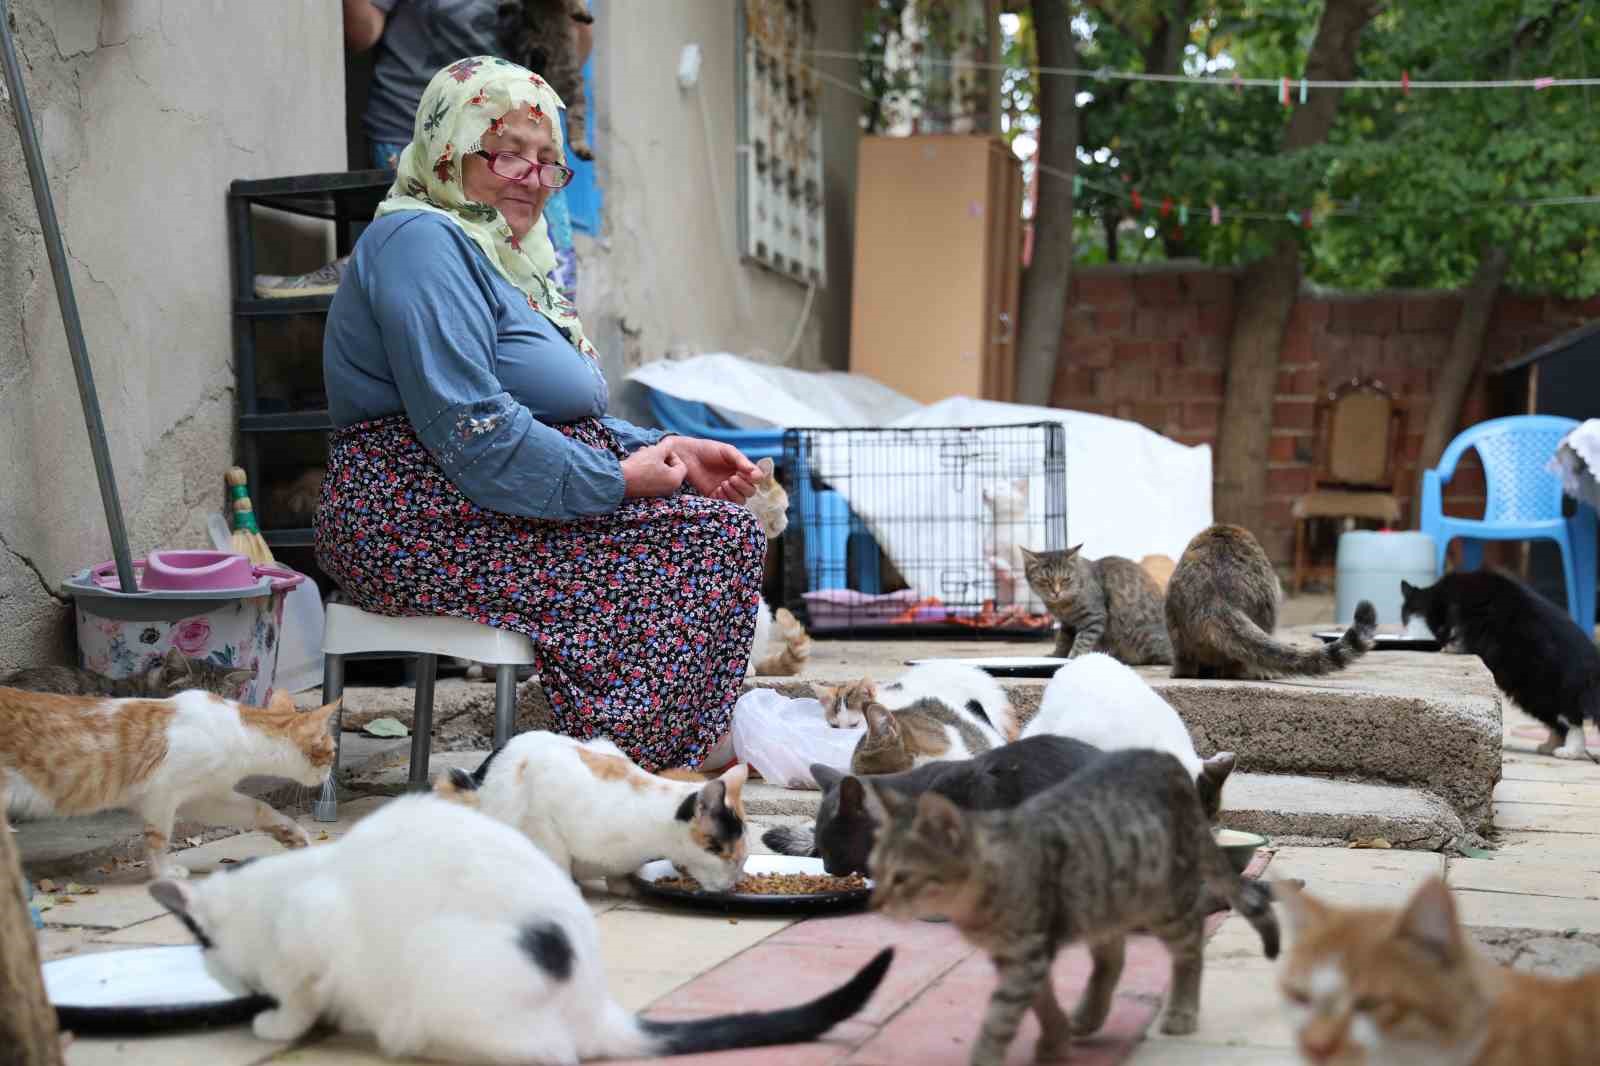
point(826, 694)
point(825, 776)
point(764, 464)
point(1407, 588)
point(175, 666)
point(236, 680)
point(1027, 556)
point(880, 722)
point(1301, 910)
point(733, 778)
point(872, 802)
point(852, 797)
point(940, 821)
point(1074, 550)
point(1429, 921)
point(320, 716)
point(1217, 768)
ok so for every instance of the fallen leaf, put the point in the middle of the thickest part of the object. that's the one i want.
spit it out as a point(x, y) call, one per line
point(43, 902)
point(324, 835)
point(47, 885)
point(193, 842)
point(1375, 842)
point(62, 901)
point(1475, 853)
point(386, 727)
point(80, 890)
point(226, 862)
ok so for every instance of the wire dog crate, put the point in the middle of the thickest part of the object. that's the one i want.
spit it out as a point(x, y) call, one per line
point(914, 532)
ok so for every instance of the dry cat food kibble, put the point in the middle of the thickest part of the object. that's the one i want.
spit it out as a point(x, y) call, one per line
point(776, 884)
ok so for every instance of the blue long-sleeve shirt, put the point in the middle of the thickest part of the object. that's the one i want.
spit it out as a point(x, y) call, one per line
point(423, 325)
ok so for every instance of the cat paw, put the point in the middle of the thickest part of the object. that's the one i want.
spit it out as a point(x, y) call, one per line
point(1569, 752)
point(581, 149)
point(278, 1024)
point(1180, 1022)
point(171, 871)
point(1548, 747)
point(1086, 1022)
point(290, 836)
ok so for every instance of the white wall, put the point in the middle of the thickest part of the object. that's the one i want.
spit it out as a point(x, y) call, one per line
point(147, 109)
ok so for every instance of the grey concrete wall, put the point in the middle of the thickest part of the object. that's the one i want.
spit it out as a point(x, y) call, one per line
point(147, 110)
point(665, 277)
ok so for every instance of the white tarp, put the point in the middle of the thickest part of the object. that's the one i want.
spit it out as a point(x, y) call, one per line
point(1130, 491)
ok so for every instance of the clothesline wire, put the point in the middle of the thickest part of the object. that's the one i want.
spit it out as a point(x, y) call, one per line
point(1339, 210)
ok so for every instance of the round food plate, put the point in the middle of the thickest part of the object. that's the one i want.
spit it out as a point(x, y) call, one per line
point(1385, 641)
point(801, 903)
point(1239, 846)
point(1007, 665)
point(145, 990)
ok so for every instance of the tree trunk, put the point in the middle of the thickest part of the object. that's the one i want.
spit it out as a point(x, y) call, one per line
point(1044, 284)
point(1466, 351)
point(1270, 285)
point(28, 1034)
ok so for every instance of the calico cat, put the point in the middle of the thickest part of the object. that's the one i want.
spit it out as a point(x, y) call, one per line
point(70, 755)
point(927, 730)
point(1222, 606)
point(1099, 701)
point(844, 833)
point(1120, 845)
point(1394, 987)
point(168, 676)
point(595, 813)
point(493, 957)
point(1108, 605)
point(1537, 654)
point(539, 35)
point(956, 685)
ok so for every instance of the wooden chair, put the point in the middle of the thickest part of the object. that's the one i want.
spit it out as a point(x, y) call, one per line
point(1358, 454)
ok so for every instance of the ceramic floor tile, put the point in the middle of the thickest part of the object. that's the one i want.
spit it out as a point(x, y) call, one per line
point(678, 942)
point(111, 907)
point(1239, 1004)
point(1528, 912)
point(1531, 878)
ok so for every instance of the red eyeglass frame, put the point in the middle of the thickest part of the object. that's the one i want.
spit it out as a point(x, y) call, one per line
point(537, 170)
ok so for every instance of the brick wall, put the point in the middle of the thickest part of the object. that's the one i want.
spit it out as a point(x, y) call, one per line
point(1148, 344)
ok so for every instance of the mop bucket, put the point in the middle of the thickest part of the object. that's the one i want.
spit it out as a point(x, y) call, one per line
point(209, 605)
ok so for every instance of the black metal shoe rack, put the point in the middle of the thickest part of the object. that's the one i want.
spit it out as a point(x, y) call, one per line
point(347, 200)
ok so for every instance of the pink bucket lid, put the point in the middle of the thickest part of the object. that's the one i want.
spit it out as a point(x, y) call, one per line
point(197, 571)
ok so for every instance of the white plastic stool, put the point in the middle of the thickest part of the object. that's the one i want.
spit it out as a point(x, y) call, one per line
point(349, 631)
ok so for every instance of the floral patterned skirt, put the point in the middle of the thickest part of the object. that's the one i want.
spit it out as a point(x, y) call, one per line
point(641, 619)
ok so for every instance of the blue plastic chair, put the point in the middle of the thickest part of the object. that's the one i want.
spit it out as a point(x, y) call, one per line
point(1523, 502)
point(822, 513)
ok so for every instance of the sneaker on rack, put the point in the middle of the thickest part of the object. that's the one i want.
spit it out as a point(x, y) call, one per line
point(320, 282)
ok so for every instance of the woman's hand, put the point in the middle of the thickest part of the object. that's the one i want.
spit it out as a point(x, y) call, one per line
point(715, 469)
point(652, 471)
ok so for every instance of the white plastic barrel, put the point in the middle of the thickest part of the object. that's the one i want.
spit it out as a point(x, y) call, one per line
point(1370, 566)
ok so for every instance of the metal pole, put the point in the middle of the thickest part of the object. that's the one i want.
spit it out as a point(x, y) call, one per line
point(69, 304)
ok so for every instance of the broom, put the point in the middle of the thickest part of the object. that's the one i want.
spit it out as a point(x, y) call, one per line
point(246, 534)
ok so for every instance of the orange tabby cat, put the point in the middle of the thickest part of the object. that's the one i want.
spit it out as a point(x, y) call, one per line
point(67, 755)
point(1407, 987)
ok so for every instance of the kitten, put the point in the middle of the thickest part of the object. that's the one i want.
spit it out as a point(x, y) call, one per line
point(1099, 701)
point(1396, 987)
point(165, 677)
point(771, 501)
point(1160, 568)
point(1536, 652)
point(1108, 605)
point(1222, 606)
point(70, 755)
point(785, 641)
point(956, 685)
point(596, 814)
point(489, 954)
point(539, 35)
point(1120, 845)
point(1007, 503)
point(922, 732)
point(844, 833)
point(296, 501)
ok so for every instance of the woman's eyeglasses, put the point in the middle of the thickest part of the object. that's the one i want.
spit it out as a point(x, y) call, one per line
point(515, 168)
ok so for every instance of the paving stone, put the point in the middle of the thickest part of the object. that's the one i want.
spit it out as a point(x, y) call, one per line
point(1543, 817)
point(112, 907)
point(1566, 792)
point(676, 942)
point(1559, 957)
point(1580, 851)
point(207, 858)
point(1174, 1052)
point(163, 930)
point(1528, 912)
point(1530, 878)
point(1367, 877)
point(1239, 1005)
point(236, 1046)
point(339, 1049)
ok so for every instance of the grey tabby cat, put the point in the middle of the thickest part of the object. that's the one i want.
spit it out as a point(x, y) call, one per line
point(167, 677)
point(1222, 606)
point(1120, 845)
point(1109, 605)
point(539, 35)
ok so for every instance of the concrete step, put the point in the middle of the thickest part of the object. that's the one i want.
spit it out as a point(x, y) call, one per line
point(1287, 808)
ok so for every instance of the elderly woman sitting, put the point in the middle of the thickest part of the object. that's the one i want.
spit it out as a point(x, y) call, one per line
point(474, 472)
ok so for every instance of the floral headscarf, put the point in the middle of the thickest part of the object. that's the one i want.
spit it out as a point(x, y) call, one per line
point(464, 101)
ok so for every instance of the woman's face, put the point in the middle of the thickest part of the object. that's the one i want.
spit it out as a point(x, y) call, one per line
point(520, 202)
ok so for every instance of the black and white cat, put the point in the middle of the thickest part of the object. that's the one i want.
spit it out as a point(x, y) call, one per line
point(1537, 654)
point(485, 952)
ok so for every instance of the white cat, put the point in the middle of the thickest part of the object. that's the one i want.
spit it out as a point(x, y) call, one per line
point(956, 685)
point(1004, 532)
point(449, 936)
point(597, 814)
point(1100, 701)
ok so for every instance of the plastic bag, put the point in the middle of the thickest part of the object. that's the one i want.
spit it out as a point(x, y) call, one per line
point(782, 737)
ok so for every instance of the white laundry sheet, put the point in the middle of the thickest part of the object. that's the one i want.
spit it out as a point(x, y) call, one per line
point(1129, 490)
point(1578, 459)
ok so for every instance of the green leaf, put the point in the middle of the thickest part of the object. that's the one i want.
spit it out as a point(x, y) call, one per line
point(386, 727)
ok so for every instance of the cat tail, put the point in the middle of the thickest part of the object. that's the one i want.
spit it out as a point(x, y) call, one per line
point(791, 1025)
point(796, 650)
point(792, 840)
point(1241, 639)
point(1250, 899)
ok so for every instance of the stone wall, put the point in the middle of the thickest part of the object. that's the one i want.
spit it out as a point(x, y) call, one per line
point(1148, 344)
point(146, 109)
